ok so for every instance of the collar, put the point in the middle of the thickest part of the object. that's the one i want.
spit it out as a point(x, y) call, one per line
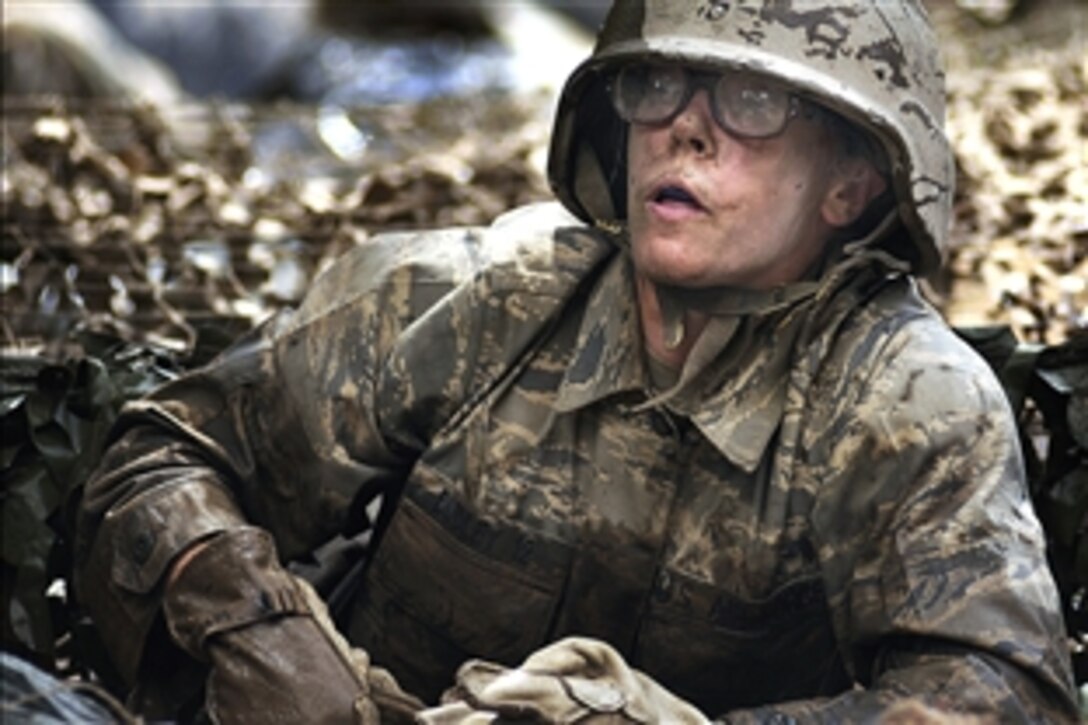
point(739, 418)
point(608, 358)
point(742, 414)
point(735, 383)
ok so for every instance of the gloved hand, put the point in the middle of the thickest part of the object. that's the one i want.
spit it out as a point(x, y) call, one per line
point(574, 680)
point(275, 656)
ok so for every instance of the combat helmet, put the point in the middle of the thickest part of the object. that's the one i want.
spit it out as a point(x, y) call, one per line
point(874, 63)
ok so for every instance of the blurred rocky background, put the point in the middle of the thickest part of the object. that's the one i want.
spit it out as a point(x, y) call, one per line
point(1018, 119)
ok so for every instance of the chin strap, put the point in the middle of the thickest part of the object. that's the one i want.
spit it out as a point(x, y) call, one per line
point(723, 302)
point(735, 312)
point(738, 301)
point(672, 317)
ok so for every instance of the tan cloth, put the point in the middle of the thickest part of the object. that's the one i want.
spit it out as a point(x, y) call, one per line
point(575, 680)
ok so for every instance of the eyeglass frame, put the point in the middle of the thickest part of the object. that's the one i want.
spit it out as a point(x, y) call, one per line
point(700, 79)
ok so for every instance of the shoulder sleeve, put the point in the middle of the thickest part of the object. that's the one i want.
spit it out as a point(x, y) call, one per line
point(286, 427)
point(934, 559)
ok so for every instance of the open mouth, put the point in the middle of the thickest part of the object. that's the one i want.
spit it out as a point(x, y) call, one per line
point(675, 195)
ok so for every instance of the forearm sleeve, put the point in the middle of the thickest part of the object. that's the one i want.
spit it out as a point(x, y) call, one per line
point(221, 448)
point(173, 475)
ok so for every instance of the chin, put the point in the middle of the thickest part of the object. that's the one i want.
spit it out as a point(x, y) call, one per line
point(665, 265)
point(679, 272)
point(676, 275)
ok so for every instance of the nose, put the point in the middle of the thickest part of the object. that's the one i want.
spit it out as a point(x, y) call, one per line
point(693, 126)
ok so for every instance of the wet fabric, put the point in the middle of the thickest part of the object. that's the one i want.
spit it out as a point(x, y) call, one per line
point(274, 654)
point(818, 547)
point(31, 696)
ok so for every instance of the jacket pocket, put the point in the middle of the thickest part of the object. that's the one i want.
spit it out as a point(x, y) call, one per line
point(724, 652)
point(445, 586)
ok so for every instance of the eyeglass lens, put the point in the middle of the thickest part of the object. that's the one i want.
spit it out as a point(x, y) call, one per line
point(744, 104)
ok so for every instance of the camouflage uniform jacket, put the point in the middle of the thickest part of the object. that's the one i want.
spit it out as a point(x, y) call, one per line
point(826, 542)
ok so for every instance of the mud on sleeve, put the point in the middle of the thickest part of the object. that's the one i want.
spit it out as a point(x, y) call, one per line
point(281, 432)
point(934, 559)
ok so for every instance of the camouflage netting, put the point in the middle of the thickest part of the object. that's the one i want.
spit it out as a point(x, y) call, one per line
point(155, 225)
point(1019, 123)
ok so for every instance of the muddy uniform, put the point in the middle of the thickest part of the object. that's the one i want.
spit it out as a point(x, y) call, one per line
point(769, 528)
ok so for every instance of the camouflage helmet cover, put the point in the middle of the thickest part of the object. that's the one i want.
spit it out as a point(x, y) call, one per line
point(875, 63)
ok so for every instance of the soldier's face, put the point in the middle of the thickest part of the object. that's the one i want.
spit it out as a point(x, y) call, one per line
point(706, 208)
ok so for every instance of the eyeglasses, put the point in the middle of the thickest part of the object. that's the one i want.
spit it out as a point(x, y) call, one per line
point(744, 104)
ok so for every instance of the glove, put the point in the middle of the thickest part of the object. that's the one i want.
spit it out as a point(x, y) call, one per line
point(275, 656)
point(575, 680)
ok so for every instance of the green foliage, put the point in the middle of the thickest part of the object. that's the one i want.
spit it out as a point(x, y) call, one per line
point(54, 420)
